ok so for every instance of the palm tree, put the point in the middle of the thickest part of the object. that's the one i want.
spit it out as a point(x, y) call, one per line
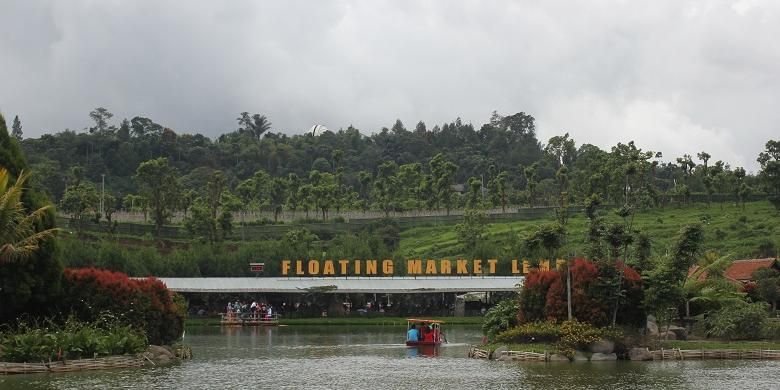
point(19, 238)
point(706, 284)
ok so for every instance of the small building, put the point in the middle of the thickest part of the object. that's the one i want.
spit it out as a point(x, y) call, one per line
point(742, 270)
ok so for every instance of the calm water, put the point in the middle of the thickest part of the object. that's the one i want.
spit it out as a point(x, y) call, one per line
point(373, 357)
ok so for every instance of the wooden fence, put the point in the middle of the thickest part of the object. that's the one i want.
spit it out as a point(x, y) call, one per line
point(103, 363)
point(705, 354)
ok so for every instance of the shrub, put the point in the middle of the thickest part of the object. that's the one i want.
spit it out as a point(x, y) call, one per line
point(73, 340)
point(567, 336)
point(742, 321)
point(500, 317)
point(532, 332)
point(143, 303)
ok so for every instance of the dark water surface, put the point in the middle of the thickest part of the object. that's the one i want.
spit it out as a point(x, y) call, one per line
point(373, 357)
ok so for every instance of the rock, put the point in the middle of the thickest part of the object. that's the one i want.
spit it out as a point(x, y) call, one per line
point(557, 357)
point(602, 346)
point(157, 351)
point(498, 352)
point(580, 356)
point(680, 332)
point(652, 326)
point(603, 357)
point(668, 335)
point(639, 354)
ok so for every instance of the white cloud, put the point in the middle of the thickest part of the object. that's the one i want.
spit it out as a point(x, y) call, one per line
point(705, 68)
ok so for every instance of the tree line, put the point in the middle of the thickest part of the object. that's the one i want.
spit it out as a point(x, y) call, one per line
point(150, 168)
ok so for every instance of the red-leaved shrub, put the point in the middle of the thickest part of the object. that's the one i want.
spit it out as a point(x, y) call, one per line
point(144, 303)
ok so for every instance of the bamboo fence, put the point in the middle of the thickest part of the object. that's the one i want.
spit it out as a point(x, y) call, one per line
point(125, 361)
point(705, 354)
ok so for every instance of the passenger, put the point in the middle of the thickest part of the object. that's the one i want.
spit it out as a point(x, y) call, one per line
point(413, 334)
point(423, 331)
point(429, 335)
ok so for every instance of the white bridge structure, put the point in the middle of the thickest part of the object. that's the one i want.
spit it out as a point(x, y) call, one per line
point(351, 284)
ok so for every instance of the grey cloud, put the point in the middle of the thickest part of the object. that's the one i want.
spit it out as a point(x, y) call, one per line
point(677, 76)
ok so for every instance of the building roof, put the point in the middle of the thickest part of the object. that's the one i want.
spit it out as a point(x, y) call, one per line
point(742, 270)
point(395, 285)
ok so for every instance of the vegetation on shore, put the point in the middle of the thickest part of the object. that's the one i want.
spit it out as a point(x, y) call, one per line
point(345, 321)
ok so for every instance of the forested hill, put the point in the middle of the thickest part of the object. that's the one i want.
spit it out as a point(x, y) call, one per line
point(506, 142)
point(446, 166)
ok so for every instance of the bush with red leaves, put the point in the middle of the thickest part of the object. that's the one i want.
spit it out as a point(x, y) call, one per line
point(544, 295)
point(144, 303)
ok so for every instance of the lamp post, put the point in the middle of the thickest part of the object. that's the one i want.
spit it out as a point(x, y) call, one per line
point(102, 194)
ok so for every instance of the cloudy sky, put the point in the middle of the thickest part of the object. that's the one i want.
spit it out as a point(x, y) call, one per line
point(675, 76)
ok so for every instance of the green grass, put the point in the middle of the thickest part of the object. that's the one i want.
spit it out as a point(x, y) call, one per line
point(727, 233)
point(698, 344)
point(342, 321)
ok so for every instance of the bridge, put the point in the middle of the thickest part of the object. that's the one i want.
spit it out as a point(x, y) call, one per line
point(357, 285)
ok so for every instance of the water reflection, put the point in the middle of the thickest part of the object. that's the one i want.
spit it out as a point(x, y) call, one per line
point(375, 357)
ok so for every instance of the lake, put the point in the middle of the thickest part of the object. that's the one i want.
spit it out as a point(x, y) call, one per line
point(370, 357)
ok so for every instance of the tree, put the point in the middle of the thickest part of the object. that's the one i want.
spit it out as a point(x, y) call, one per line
point(502, 189)
point(770, 170)
point(474, 197)
point(101, 116)
point(531, 180)
point(472, 229)
point(19, 238)
point(25, 286)
point(443, 177)
point(255, 125)
point(157, 181)
point(768, 285)
point(16, 129)
point(79, 200)
point(705, 284)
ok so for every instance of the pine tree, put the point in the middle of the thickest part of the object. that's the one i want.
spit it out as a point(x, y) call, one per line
point(16, 129)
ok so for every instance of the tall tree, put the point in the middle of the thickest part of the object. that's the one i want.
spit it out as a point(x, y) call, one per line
point(770, 170)
point(157, 181)
point(101, 116)
point(16, 129)
point(443, 177)
point(26, 286)
point(255, 125)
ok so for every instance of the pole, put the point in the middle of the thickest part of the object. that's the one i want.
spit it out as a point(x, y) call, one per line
point(568, 286)
point(102, 194)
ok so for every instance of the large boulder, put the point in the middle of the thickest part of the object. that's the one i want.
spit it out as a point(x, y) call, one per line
point(602, 346)
point(580, 356)
point(557, 357)
point(639, 354)
point(158, 355)
point(668, 335)
point(603, 357)
point(679, 332)
point(498, 352)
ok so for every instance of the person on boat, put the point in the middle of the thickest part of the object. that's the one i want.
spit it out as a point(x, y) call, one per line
point(423, 331)
point(413, 334)
point(429, 335)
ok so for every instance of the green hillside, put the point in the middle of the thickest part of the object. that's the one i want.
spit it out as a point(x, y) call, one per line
point(729, 231)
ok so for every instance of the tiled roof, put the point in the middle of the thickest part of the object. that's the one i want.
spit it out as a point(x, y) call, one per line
point(742, 270)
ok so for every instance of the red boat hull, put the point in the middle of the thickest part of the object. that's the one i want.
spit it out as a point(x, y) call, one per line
point(418, 343)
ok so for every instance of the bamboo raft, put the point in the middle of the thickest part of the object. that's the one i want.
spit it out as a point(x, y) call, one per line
point(125, 361)
point(705, 354)
point(478, 353)
point(526, 356)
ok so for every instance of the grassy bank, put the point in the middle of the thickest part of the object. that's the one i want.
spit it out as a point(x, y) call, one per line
point(729, 230)
point(343, 321)
point(714, 344)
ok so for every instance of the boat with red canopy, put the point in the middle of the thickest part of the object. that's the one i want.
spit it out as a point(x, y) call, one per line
point(428, 332)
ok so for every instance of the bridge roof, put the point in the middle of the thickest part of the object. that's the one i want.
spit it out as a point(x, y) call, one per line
point(394, 285)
